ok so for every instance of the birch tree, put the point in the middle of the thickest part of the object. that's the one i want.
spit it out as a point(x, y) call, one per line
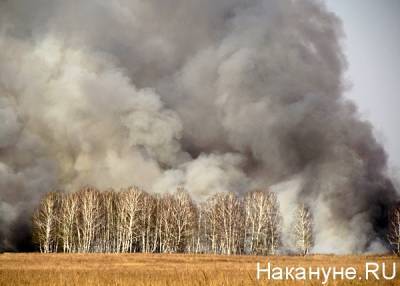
point(183, 216)
point(303, 230)
point(129, 207)
point(88, 218)
point(167, 228)
point(229, 222)
point(108, 227)
point(274, 221)
point(132, 220)
point(67, 221)
point(45, 223)
point(257, 205)
point(199, 239)
point(148, 224)
point(210, 218)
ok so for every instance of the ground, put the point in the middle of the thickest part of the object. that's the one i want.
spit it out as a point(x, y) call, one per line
point(167, 269)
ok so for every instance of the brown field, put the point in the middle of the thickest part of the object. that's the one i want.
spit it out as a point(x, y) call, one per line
point(165, 269)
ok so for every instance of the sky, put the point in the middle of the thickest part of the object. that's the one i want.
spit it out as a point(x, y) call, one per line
point(372, 46)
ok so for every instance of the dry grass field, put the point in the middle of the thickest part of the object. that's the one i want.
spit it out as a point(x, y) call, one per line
point(165, 269)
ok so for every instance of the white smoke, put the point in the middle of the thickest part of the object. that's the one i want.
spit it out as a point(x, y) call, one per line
point(206, 175)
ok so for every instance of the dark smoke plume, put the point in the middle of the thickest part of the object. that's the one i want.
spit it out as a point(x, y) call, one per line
point(213, 95)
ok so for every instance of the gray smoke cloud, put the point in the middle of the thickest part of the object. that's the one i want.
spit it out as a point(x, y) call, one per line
point(214, 95)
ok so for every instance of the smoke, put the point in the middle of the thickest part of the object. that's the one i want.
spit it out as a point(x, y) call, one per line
point(213, 95)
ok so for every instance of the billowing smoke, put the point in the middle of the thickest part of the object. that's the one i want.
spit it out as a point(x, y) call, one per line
point(214, 95)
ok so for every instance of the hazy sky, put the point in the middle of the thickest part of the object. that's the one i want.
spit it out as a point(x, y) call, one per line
point(373, 49)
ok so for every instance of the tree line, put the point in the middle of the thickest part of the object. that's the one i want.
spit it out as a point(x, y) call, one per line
point(132, 220)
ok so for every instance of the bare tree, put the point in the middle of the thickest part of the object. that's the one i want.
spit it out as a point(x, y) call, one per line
point(256, 222)
point(45, 223)
point(394, 230)
point(262, 222)
point(108, 227)
point(132, 220)
point(157, 237)
point(303, 229)
point(67, 221)
point(88, 219)
point(210, 213)
point(176, 219)
point(129, 207)
point(199, 238)
point(184, 216)
point(229, 221)
point(147, 223)
point(274, 221)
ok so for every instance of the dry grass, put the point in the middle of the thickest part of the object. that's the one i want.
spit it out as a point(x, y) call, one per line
point(164, 269)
